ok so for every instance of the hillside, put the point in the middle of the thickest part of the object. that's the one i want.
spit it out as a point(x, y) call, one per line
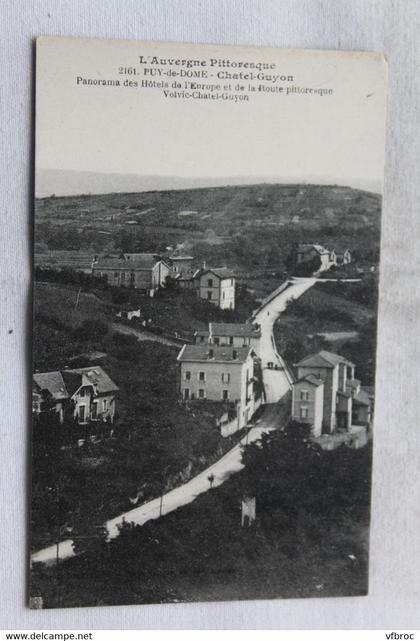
point(240, 226)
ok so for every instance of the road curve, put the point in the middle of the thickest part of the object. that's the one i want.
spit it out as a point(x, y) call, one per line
point(276, 376)
point(229, 464)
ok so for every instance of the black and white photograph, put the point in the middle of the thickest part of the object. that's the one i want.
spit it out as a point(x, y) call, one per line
point(206, 268)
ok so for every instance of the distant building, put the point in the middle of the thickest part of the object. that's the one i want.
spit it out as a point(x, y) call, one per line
point(234, 334)
point(221, 374)
point(343, 257)
point(88, 392)
point(146, 272)
point(217, 286)
point(182, 265)
point(307, 252)
point(327, 396)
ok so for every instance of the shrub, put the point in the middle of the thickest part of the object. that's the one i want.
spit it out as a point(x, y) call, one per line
point(91, 330)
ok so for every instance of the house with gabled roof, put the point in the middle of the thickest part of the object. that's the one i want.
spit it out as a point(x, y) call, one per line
point(147, 272)
point(342, 402)
point(220, 374)
point(88, 392)
point(217, 286)
point(235, 334)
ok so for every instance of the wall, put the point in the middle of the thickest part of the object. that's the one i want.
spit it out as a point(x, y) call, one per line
point(213, 385)
point(227, 293)
point(314, 404)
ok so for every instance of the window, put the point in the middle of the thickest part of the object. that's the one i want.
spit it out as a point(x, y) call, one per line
point(225, 378)
point(230, 340)
point(209, 282)
point(186, 394)
point(225, 394)
point(104, 404)
point(216, 340)
point(223, 295)
point(209, 295)
point(94, 410)
point(82, 393)
point(82, 412)
point(122, 275)
point(304, 412)
point(201, 393)
point(116, 275)
point(201, 339)
point(304, 395)
point(201, 376)
point(187, 376)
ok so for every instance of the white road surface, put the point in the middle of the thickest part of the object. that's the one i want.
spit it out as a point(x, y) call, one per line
point(229, 464)
point(277, 382)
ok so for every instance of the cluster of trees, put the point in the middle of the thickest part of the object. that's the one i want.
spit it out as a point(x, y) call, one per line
point(68, 276)
point(312, 510)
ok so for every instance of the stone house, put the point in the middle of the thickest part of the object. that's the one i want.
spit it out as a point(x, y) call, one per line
point(146, 272)
point(234, 334)
point(217, 286)
point(327, 396)
point(88, 392)
point(308, 400)
point(219, 373)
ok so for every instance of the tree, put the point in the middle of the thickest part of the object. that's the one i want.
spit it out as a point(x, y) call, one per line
point(91, 330)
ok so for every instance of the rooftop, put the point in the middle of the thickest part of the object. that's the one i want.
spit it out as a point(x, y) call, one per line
point(135, 261)
point(311, 379)
point(323, 359)
point(234, 329)
point(319, 248)
point(214, 353)
point(51, 381)
point(63, 384)
point(221, 272)
point(362, 398)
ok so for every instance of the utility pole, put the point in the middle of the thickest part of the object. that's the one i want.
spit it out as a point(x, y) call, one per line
point(78, 297)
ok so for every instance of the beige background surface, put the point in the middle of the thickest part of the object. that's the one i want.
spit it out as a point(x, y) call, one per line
point(379, 25)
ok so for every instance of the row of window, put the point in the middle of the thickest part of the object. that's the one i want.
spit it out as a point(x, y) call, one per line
point(202, 394)
point(94, 409)
point(201, 376)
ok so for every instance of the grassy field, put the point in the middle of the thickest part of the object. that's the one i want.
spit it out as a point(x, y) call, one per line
point(333, 308)
point(243, 227)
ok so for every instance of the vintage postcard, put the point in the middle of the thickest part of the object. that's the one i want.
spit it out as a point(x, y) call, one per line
point(207, 236)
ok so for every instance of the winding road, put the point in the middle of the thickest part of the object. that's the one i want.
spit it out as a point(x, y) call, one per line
point(277, 382)
point(229, 464)
point(276, 376)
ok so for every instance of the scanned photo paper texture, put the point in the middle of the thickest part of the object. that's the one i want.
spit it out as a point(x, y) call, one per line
point(207, 233)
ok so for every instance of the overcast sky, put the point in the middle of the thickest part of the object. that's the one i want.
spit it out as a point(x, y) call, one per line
point(338, 138)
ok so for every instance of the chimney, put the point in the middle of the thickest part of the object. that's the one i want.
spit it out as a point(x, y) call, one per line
point(204, 264)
